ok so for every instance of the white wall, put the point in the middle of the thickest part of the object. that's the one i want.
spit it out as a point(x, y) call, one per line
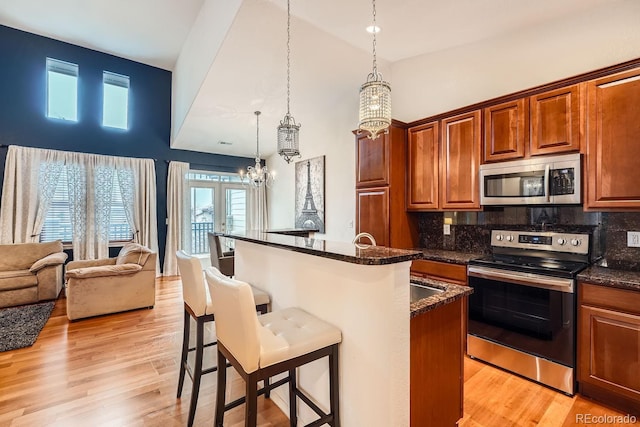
point(427, 85)
point(197, 54)
point(326, 130)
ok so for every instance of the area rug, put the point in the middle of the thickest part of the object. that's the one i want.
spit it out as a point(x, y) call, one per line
point(20, 326)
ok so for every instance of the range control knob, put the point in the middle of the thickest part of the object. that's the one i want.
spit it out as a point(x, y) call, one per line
point(509, 238)
point(576, 242)
point(499, 237)
point(562, 241)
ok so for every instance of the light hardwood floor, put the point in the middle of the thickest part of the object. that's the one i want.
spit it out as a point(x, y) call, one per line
point(122, 370)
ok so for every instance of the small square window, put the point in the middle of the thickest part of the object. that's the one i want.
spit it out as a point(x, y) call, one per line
point(62, 90)
point(115, 104)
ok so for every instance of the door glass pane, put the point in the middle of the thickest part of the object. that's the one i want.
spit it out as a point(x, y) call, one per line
point(202, 218)
point(236, 210)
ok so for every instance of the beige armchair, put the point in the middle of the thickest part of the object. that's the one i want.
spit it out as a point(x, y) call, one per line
point(111, 285)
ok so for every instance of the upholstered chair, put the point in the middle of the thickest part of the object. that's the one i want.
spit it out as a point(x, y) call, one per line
point(223, 261)
point(198, 306)
point(111, 285)
point(271, 344)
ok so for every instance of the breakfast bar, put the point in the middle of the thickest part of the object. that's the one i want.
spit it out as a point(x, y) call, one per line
point(363, 290)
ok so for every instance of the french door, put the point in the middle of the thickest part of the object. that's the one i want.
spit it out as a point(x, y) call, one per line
point(217, 203)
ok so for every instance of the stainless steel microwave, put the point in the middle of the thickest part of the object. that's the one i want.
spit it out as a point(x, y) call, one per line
point(535, 181)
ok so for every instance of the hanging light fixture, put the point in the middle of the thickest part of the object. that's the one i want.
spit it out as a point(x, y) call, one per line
point(257, 176)
point(375, 96)
point(288, 131)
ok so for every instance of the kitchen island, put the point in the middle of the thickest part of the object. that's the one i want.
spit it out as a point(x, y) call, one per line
point(363, 291)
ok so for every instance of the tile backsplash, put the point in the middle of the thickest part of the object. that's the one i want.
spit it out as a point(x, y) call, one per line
point(471, 231)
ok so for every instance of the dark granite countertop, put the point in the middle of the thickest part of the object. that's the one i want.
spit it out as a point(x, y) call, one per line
point(614, 278)
point(452, 257)
point(451, 293)
point(341, 251)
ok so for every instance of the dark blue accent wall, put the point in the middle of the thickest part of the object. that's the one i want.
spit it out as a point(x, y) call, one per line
point(23, 118)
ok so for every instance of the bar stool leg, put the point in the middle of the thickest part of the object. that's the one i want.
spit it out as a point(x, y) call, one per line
point(334, 389)
point(267, 392)
point(251, 400)
point(185, 350)
point(197, 371)
point(293, 409)
point(221, 390)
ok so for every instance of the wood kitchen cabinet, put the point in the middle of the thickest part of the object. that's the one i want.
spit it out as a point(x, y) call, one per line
point(555, 121)
point(372, 213)
point(452, 273)
point(443, 164)
point(613, 142)
point(423, 172)
point(460, 159)
point(609, 345)
point(380, 189)
point(546, 123)
point(436, 367)
point(506, 128)
point(372, 160)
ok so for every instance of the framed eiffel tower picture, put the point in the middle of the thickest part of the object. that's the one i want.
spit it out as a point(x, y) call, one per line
point(309, 211)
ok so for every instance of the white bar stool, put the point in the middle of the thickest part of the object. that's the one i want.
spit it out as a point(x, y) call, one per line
point(268, 345)
point(198, 305)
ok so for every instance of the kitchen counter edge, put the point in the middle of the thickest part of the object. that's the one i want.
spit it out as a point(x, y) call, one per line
point(621, 279)
point(451, 293)
point(341, 251)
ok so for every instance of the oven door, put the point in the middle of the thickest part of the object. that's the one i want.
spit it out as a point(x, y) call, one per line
point(531, 313)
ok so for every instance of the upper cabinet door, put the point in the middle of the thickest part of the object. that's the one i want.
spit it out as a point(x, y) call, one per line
point(613, 141)
point(372, 161)
point(423, 171)
point(460, 162)
point(505, 130)
point(555, 121)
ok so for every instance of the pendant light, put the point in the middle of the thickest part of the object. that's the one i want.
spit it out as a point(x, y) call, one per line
point(257, 176)
point(375, 97)
point(288, 131)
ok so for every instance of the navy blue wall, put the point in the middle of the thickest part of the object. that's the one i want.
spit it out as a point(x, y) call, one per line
point(23, 118)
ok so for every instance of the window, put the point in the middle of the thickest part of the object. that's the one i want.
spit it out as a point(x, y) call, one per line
point(115, 104)
point(62, 90)
point(57, 222)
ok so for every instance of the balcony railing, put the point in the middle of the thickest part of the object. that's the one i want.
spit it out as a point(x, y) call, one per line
point(199, 237)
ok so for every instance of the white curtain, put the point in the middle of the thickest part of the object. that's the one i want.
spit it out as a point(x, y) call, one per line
point(30, 178)
point(178, 221)
point(258, 219)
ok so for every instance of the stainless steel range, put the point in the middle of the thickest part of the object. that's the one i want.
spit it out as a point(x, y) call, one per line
point(522, 314)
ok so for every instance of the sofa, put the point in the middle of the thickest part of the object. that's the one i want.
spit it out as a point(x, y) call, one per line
point(111, 285)
point(30, 272)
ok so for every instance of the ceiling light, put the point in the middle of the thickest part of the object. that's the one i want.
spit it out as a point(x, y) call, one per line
point(257, 176)
point(375, 97)
point(288, 131)
point(373, 29)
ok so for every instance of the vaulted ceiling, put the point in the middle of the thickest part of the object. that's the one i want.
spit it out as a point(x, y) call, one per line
point(248, 71)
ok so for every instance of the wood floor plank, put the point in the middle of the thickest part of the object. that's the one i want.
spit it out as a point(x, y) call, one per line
point(122, 370)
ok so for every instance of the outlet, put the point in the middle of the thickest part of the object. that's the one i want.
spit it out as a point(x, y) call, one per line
point(350, 224)
point(633, 239)
point(447, 229)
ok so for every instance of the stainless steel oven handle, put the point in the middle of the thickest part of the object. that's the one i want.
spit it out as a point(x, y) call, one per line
point(525, 279)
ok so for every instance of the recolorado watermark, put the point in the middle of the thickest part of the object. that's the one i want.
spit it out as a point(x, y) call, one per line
point(605, 419)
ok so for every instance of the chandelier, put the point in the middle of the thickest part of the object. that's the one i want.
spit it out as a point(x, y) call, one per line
point(375, 96)
point(288, 130)
point(257, 176)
